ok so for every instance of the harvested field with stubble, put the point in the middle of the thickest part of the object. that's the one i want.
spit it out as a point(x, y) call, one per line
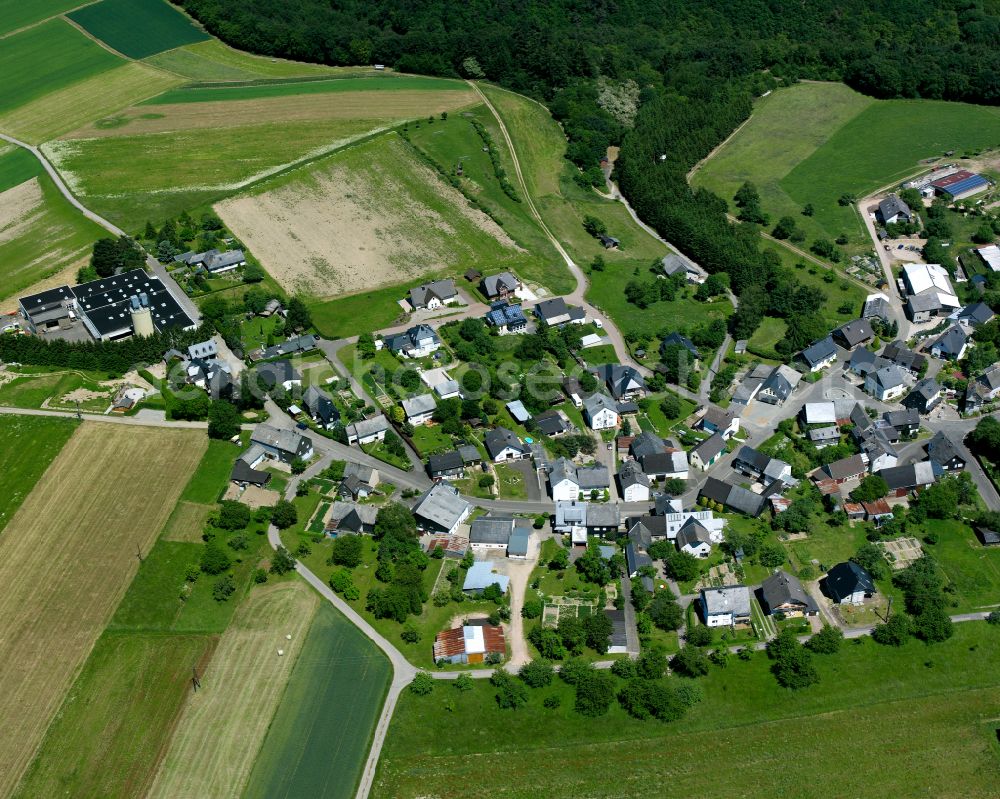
point(370, 216)
point(223, 725)
point(66, 559)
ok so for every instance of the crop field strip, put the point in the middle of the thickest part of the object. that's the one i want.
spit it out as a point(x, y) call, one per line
point(66, 559)
point(69, 108)
point(223, 725)
point(137, 28)
point(18, 14)
point(318, 741)
point(46, 58)
point(43, 438)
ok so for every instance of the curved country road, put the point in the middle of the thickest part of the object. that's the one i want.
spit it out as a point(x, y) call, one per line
point(63, 188)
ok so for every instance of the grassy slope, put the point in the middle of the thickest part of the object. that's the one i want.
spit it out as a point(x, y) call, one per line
point(43, 438)
point(57, 237)
point(16, 14)
point(138, 28)
point(310, 751)
point(813, 142)
point(881, 722)
point(46, 58)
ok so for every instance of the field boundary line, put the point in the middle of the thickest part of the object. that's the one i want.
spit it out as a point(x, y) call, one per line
point(94, 39)
point(31, 25)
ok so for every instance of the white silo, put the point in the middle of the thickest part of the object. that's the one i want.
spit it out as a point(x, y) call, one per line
point(142, 317)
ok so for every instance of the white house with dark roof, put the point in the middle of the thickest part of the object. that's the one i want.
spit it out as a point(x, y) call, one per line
point(367, 431)
point(441, 509)
point(504, 445)
point(779, 385)
point(600, 412)
point(820, 354)
point(886, 384)
point(725, 607)
point(563, 483)
point(951, 344)
point(695, 539)
point(623, 382)
point(417, 342)
point(716, 420)
point(433, 295)
point(283, 445)
point(892, 209)
point(633, 484)
point(707, 452)
point(420, 409)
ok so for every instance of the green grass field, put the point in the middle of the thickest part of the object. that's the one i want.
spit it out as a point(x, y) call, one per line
point(318, 740)
point(212, 475)
point(118, 717)
point(46, 58)
point(912, 721)
point(16, 166)
point(286, 88)
point(813, 142)
point(43, 438)
point(137, 28)
point(212, 61)
point(15, 14)
point(973, 568)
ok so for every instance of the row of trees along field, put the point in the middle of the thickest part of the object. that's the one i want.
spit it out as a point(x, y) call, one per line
point(665, 81)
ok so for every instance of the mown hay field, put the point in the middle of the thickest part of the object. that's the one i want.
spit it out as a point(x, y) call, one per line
point(43, 438)
point(117, 719)
point(46, 58)
point(223, 725)
point(912, 721)
point(137, 28)
point(319, 739)
point(69, 108)
point(67, 557)
point(212, 60)
point(369, 216)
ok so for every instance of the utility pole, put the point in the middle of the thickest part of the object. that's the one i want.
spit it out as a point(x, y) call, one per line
point(138, 552)
point(195, 680)
point(79, 415)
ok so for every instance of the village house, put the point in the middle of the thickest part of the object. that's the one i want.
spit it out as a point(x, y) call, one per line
point(762, 467)
point(783, 593)
point(506, 318)
point(898, 353)
point(633, 484)
point(420, 409)
point(929, 291)
point(984, 389)
point(481, 576)
point(716, 420)
point(283, 445)
point(886, 384)
point(319, 405)
point(892, 210)
point(494, 533)
point(623, 382)
point(854, 333)
point(441, 509)
point(725, 607)
point(446, 464)
point(819, 354)
point(359, 481)
point(848, 584)
point(779, 385)
point(913, 477)
point(556, 313)
point(433, 295)
point(974, 315)
point(472, 643)
point(500, 287)
point(944, 452)
point(293, 346)
point(695, 539)
point(950, 345)
point(924, 396)
point(600, 412)
point(350, 518)
point(733, 497)
point(581, 519)
point(417, 342)
point(504, 445)
point(708, 452)
point(677, 339)
point(367, 431)
point(277, 373)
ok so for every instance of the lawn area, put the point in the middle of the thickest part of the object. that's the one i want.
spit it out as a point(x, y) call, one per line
point(137, 28)
point(827, 543)
point(357, 313)
point(118, 717)
point(973, 568)
point(255, 332)
point(430, 439)
point(378, 450)
point(654, 419)
point(48, 57)
point(43, 438)
point(870, 701)
point(212, 475)
point(607, 292)
point(595, 356)
point(319, 738)
point(510, 482)
point(766, 336)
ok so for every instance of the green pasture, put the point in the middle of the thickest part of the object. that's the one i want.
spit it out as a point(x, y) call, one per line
point(16, 166)
point(212, 475)
point(319, 738)
point(43, 437)
point(137, 28)
point(213, 61)
point(45, 58)
point(17, 14)
point(881, 721)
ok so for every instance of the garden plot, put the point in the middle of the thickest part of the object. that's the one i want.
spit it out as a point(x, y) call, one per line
point(902, 552)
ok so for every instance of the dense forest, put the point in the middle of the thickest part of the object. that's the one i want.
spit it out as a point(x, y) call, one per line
point(665, 80)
